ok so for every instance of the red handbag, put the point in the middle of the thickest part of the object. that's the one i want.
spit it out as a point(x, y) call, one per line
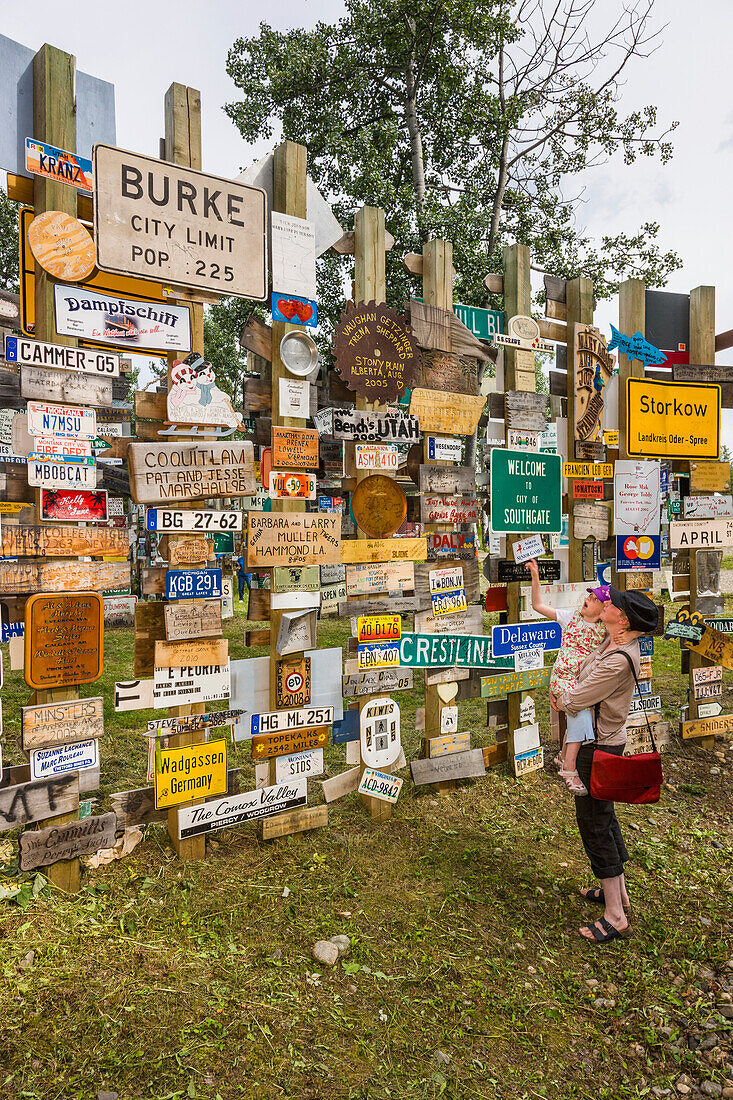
point(634, 779)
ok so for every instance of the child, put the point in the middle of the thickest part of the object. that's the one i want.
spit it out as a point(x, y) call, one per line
point(582, 632)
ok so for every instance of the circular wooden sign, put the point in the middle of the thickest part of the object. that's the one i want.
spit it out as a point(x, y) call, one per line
point(374, 351)
point(64, 639)
point(62, 246)
point(414, 461)
point(379, 506)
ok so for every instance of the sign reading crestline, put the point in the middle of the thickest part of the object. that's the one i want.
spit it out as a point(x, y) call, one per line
point(447, 651)
point(672, 419)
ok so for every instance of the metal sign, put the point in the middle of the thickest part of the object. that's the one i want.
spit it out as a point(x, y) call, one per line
point(136, 323)
point(74, 505)
point(154, 219)
point(63, 421)
point(58, 474)
point(517, 637)
point(379, 724)
point(672, 419)
point(637, 497)
point(484, 324)
point(76, 757)
point(192, 584)
point(523, 332)
point(64, 639)
point(525, 492)
point(710, 534)
point(443, 448)
point(37, 353)
point(587, 469)
point(235, 810)
point(187, 772)
point(638, 552)
point(380, 785)
point(170, 519)
point(185, 684)
point(57, 164)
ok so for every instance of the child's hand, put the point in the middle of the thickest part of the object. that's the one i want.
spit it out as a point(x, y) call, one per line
point(533, 567)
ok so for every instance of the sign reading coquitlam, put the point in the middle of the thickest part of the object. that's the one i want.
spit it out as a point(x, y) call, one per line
point(160, 221)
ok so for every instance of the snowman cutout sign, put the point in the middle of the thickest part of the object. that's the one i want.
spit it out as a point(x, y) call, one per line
point(195, 400)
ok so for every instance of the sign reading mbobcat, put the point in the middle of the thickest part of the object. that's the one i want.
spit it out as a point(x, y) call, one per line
point(525, 492)
point(156, 220)
point(64, 639)
point(161, 472)
point(672, 419)
point(293, 539)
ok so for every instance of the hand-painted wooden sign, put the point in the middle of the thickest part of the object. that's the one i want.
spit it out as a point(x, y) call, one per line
point(593, 367)
point(587, 469)
point(636, 347)
point(458, 765)
point(710, 507)
point(374, 351)
point(71, 839)
point(24, 803)
point(192, 584)
point(590, 521)
point(215, 235)
point(448, 743)
point(520, 636)
point(37, 353)
point(55, 473)
point(672, 419)
point(200, 651)
point(714, 646)
point(451, 544)
point(708, 727)
point(188, 772)
point(61, 542)
point(507, 571)
point(293, 682)
point(709, 477)
point(382, 550)
point(700, 534)
point(392, 577)
point(194, 620)
point(62, 246)
point(59, 576)
point(74, 505)
point(504, 683)
point(447, 371)
point(449, 413)
point(295, 447)
point(293, 539)
point(459, 622)
point(235, 810)
point(162, 472)
point(66, 386)
point(449, 509)
point(379, 506)
point(382, 785)
point(524, 410)
point(64, 639)
point(61, 421)
point(369, 683)
point(48, 724)
point(525, 492)
point(374, 427)
point(286, 742)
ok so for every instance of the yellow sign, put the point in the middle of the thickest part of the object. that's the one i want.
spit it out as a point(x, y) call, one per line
point(189, 772)
point(587, 469)
point(100, 280)
point(12, 507)
point(610, 439)
point(379, 628)
point(672, 419)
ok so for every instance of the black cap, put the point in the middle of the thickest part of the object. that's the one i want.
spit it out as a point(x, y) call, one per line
point(642, 613)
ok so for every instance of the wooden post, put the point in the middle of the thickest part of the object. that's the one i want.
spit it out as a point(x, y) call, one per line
point(631, 319)
point(289, 171)
point(517, 300)
point(702, 350)
point(182, 145)
point(54, 121)
point(579, 298)
point(437, 289)
point(370, 284)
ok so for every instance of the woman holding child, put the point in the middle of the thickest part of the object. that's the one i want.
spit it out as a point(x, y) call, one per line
point(598, 702)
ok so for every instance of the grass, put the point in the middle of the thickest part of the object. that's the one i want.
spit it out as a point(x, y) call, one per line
point(466, 978)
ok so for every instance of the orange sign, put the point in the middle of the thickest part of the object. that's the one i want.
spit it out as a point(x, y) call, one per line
point(62, 246)
point(64, 639)
point(295, 448)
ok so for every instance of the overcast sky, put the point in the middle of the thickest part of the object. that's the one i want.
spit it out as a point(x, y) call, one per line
point(150, 44)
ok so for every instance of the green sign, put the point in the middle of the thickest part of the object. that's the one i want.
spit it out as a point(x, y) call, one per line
point(483, 323)
point(223, 542)
point(505, 682)
point(525, 492)
point(449, 651)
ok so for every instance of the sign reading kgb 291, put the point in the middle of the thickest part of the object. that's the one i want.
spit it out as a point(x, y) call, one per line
point(177, 225)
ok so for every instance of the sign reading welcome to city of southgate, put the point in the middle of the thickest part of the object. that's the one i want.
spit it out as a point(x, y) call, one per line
point(449, 651)
point(672, 419)
point(520, 636)
point(525, 492)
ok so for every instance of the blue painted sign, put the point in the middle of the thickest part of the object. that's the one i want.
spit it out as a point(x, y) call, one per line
point(190, 584)
point(515, 637)
point(347, 729)
point(603, 572)
point(11, 630)
point(638, 552)
point(636, 347)
point(294, 310)
point(646, 646)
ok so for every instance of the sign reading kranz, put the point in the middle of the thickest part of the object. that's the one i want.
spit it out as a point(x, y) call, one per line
point(672, 419)
point(156, 220)
point(525, 492)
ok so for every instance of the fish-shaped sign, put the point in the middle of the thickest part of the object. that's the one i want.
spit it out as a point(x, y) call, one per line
point(636, 347)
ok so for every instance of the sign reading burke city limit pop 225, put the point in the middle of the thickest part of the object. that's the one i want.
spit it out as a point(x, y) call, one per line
point(672, 419)
point(525, 492)
point(159, 221)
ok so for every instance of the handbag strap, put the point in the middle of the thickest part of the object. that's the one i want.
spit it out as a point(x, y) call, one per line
point(636, 681)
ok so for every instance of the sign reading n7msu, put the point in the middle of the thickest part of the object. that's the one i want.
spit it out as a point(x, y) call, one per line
point(159, 221)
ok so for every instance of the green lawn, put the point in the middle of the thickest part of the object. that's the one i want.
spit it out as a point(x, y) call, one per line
point(466, 979)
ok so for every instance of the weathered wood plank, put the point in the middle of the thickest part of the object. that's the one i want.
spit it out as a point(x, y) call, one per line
point(446, 479)
point(38, 800)
point(149, 629)
point(459, 765)
point(342, 784)
point(41, 847)
point(294, 821)
point(173, 472)
point(18, 577)
point(65, 386)
point(184, 620)
point(201, 651)
point(45, 725)
point(52, 540)
point(471, 579)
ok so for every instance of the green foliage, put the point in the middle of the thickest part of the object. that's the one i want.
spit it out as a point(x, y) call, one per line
point(8, 244)
point(223, 324)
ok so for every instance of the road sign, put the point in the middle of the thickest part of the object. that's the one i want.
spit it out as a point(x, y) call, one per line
point(38, 353)
point(700, 534)
point(483, 323)
point(525, 492)
point(672, 419)
point(518, 637)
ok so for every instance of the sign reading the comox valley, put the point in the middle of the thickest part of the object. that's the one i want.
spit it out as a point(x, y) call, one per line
point(672, 419)
point(156, 220)
point(525, 492)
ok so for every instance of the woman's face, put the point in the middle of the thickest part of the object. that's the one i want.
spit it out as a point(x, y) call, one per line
point(613, 616)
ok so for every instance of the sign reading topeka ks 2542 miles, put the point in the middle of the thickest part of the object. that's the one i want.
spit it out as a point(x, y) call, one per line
point(176, 225)
point(525, 492)
point(672, 419)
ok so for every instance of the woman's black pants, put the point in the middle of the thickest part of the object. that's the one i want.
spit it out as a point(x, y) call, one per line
point(597, 824)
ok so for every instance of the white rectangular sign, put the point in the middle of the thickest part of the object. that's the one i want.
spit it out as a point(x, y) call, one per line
point(57, 474)
point(647, 702)
point(190, 684)
point(636, 497)
point(295, 397)
point(73, 448)
point(238, 808)
point(171, 519)
point(299, 765)
point(373, 456)
point(526, 738)
point(64, 421)
point(707, 507)
point(293, 256)
point(37, 353)
point(700, 534)
point(123, 322)
point(525, 549)
point(527, 659)
point(276, 721)
point(64, 758)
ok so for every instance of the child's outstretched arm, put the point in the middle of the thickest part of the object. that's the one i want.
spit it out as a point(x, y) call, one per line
point(540, 607)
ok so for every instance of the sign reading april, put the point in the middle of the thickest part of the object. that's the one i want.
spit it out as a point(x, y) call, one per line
point(506, 640)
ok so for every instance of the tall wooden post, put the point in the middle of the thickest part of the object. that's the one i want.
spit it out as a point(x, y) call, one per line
point(54, 121)
point(517, 300)
point(631, 319)
point(579, 299)
point(289, 170)
point(702, 350)
point(182, 144)
point(370, 284)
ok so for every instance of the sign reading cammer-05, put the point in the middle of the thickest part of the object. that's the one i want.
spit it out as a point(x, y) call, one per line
point(672, 419)
point(177, 225)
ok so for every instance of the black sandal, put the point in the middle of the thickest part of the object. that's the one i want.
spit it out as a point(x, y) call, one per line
point(596, 895)
point(609, 933)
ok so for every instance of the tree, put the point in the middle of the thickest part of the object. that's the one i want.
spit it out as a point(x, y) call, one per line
point(9, 279)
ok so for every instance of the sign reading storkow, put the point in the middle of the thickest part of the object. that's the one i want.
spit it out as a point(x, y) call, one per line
point(672, 419)
point(124, 322)
point(521, 636)
point(156, 220)
point(525, 492)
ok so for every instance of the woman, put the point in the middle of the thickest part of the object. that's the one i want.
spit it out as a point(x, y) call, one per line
point(606, 683)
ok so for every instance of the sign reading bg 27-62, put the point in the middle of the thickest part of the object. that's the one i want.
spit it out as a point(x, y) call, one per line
point(672, 419)
point(177, 225)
